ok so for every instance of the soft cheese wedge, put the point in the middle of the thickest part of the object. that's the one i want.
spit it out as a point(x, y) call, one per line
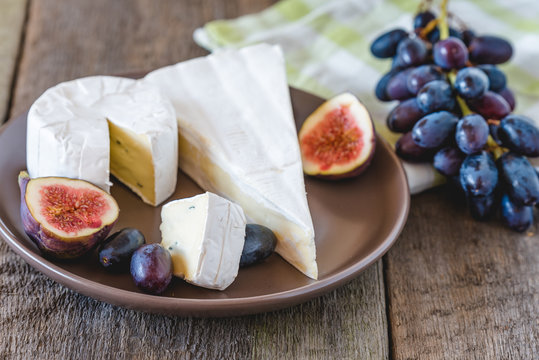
point(238, 139)
point(204, 235)
point(82, 128)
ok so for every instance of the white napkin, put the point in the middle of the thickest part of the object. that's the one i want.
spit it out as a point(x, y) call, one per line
point(326, 45)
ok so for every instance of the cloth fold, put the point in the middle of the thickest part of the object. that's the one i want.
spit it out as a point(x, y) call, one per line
point(326, 46)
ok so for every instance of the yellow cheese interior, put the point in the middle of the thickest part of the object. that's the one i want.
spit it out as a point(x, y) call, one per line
point(131, 161)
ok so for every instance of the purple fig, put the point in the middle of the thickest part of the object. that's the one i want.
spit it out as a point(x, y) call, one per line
point(65, 217)
point(337, 140)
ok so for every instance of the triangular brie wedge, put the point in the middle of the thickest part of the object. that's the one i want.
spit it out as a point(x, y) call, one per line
point(238, 139)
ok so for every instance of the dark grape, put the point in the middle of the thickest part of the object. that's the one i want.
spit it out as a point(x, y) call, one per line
point(422, 75)
point(436, 95)
point(482, 207)
point(490, 106)
point(423, 18)
point(151, 268)
point(471, 83)
point(472, 133)
point(412, 51)
point(496, 77)
point(520, 179)
point(259, 243)
point(478, 174)
point(381, 87)
point(493, 130)
point(450, 53)
point(448, 160)
point(434, 129)
point(115, 253)
point(397, 64)
point(519, 134)
point(396, 87)
point(404, 116)
point(455, 33)
point(490, 50)
point(508, 95)
point(407, 149)
point(468, 36)
point(434, 35)
point(517, 217)
point(385, 45)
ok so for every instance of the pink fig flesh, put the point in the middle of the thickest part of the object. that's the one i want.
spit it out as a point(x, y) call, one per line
point(65, 217)
point(338, 139)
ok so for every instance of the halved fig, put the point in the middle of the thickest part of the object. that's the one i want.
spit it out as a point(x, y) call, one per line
point(65, 217)
point(337, 140)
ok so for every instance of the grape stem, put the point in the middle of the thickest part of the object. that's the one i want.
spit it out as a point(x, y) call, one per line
point(444, 28)
point(492, 146)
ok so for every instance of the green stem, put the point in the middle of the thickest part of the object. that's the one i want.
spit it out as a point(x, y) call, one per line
point(442, 25)
point(496, 150)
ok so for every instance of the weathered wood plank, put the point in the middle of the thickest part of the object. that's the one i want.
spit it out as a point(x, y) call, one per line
point(12, 15)
point(69, 39)
point(462, 289)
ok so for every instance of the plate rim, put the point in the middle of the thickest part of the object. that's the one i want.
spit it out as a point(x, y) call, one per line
point(211, 307)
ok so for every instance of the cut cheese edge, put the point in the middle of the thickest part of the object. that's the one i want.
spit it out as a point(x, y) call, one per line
point(238, 139)
point(83, 128)
point(204, 235)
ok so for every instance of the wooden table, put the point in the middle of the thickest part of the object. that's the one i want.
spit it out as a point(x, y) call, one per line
point(451, 288)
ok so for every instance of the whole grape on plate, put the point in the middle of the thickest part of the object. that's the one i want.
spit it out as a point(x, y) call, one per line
point(455, 111)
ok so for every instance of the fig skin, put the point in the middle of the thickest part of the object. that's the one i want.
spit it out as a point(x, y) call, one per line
point(50, 244)
point(342, 100)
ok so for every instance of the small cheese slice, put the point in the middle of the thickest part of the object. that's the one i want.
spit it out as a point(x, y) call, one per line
point(82, 128)
point(204, 235)
point(238, 139)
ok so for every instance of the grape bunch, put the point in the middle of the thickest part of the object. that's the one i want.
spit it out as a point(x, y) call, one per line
point(455, 111)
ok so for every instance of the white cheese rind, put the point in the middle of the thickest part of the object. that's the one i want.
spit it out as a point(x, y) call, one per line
point(68, 134)
point(238, 139)
point(204, 235)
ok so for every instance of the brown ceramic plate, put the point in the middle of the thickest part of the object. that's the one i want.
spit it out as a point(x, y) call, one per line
point(356, 222)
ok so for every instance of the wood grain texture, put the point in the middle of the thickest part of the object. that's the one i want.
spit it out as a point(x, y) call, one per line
point(462, 289)
point(12, 15)
point(42, 319)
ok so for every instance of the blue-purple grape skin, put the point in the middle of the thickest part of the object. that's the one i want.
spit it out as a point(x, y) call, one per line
point(490, 105)
point(434, 129)
point(260, 243)
point(508, 95)
point(151, 268)
point(478, 174)
point(397, 88)
point(450, 53)
point(423, 18)
point(115, 253)
point(385, 45)
point(519, 134)
point(436, 95)
point(407, 149)
point(496, 78)
point(381, 87)
point(471, 83)
point(490, 50)
point(421, 76)
point(520, 179)
point(404, 116)
point(516, 217)
point(412, 52)
point(448, 161)
point(482, 207)
point(472, 133)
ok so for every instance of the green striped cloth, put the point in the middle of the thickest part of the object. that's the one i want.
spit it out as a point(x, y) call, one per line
point(326, 45)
